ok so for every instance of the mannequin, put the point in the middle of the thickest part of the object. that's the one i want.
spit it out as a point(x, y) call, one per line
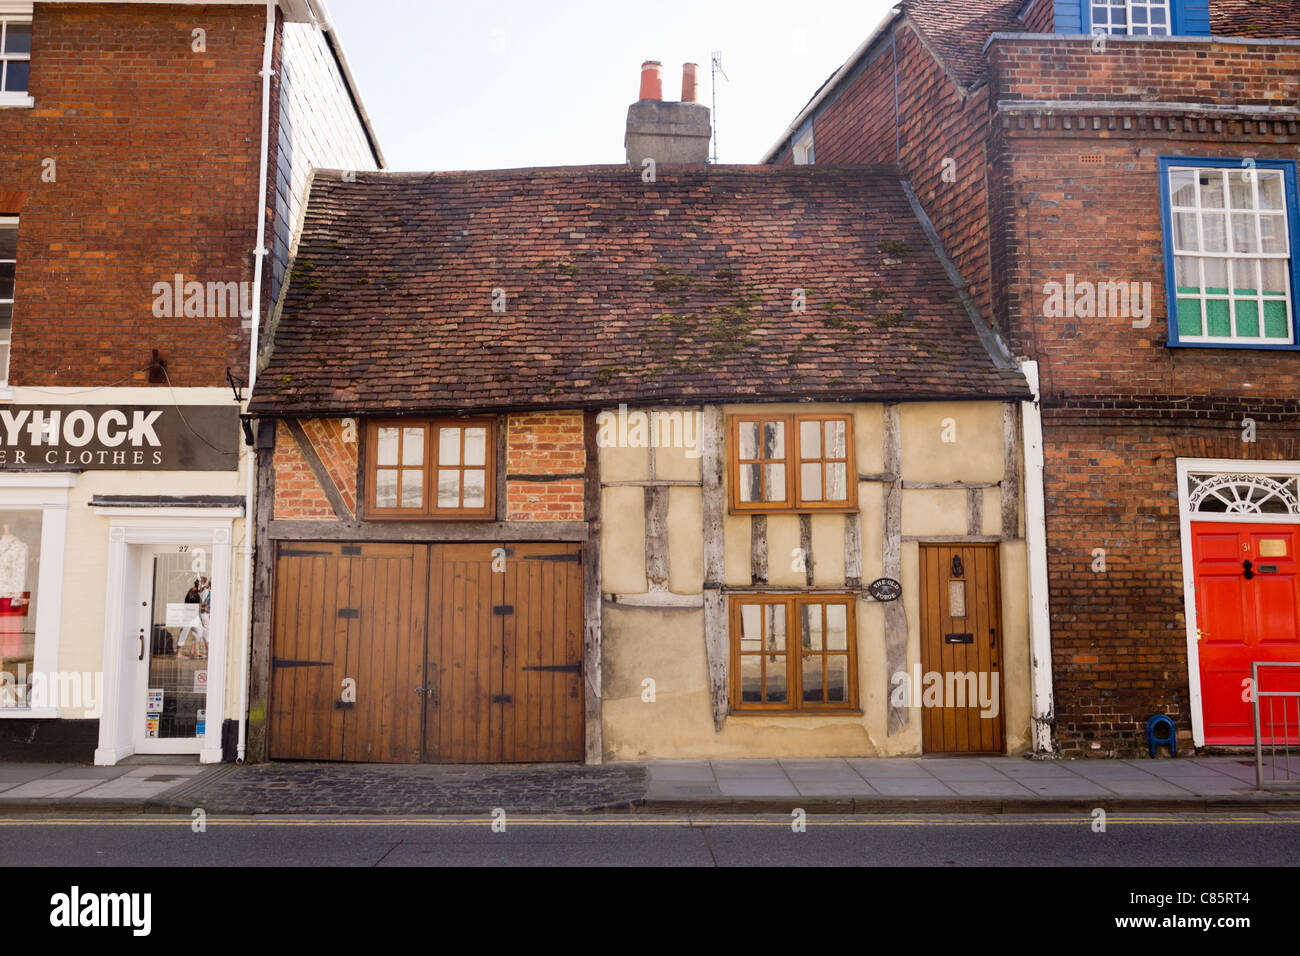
point(13, 599)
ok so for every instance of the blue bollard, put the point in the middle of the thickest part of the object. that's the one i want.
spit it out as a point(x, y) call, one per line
point(1161, 730)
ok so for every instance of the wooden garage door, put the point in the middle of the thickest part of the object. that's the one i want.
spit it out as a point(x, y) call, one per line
point(348, 652)
point(499, 678)
point(505, 654)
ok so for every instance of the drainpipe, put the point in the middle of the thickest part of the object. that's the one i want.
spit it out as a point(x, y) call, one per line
point(1040, 620)
point(259, 255)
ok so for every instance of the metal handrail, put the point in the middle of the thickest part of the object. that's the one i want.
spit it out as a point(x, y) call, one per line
point(1255, 695)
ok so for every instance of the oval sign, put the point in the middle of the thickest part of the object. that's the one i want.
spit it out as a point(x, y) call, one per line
point(885, 589)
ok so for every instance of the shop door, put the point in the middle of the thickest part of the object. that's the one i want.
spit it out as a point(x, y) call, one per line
point(961, 653)
point(347, 665)
point(505, 654)
point(171, 649)
point(1247, 599)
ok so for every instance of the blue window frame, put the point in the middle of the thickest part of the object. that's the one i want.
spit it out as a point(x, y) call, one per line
point(1140, 17)
point(1232, 252)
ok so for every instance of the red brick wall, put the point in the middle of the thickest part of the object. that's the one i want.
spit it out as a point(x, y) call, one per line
point(1170, 72)
point(298, 494)
point(545, 444)
point(157, 169)
point(1119, 639)
point(327, 437)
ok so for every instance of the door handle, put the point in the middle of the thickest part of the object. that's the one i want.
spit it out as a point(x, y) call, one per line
point(1250, 573)
point(141, 657)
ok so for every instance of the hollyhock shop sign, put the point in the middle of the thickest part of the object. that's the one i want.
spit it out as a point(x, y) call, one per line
point(119, 438)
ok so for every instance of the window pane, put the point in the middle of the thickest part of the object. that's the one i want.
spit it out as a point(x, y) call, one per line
point(413, 446)
point(476, 446)
point(449, 489)
point(8, 242)
point(774, 475)
point(774, 614)
point(1185, 232)
point(1241, 190)
point(1274, 271)
point(1182, 185)
point(773, 440)
point(837, 482)
point(1189, 317)
point(1216, 275)
point(751, 628)
point(1277, 324)
point(1247, 313)
point(387, 454)
point(449, 446)
point(748, 432)
point(751, 679)
point(6, 280)
point(475, 488)
point(812, 679)
point(20, 559)
point(810, 439)
point(776, 682)
point(386, 488)
point(810, 481)
point(1270, 190)
point(1213, 231)
point(412, 488)
point(812, 627)
point(1187, 273)
point(16, 76)
point(1216, 318)
point(837, 679)
point(750, 489)
point(1273, 237)
point(18, 37)
point(836, 439)
point(837, 627)
point(1244, 236)
point(1211, 188)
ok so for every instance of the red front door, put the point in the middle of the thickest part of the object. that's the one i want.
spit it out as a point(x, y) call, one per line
point(1247, 609)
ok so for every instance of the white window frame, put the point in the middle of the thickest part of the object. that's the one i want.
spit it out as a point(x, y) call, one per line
point(15, 13)
point(1186, 467)
point(47, 493)
point(1252, 175)
point(1126, 29)
point(802, 150)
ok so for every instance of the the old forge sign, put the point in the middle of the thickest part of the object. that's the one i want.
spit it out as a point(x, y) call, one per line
point(126, 437)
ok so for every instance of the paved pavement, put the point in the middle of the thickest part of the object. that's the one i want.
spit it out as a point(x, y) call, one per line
point(852, 785)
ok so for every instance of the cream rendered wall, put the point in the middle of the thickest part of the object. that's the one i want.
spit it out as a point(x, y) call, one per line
point(667, 645)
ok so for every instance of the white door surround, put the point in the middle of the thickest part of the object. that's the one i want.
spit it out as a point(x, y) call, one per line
point(131, 531)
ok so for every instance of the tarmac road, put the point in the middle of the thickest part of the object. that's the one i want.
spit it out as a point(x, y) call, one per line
point(1223, 839)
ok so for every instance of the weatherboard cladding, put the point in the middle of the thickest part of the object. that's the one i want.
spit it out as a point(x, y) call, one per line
point(617, 290)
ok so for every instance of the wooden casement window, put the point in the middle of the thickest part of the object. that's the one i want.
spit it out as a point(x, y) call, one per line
point(439, 468)
point(792, 463)
point(793, 653)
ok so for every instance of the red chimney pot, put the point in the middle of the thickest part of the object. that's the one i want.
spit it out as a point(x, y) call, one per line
point(690, 80)
point(652, 80)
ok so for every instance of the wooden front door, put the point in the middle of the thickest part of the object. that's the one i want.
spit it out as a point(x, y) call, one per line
point(505, 654)
point(961, 650)
point(498, 679)
point(347, 652)
point(1247, 606)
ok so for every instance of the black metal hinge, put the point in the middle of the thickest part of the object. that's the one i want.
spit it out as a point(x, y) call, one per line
point(503, 609)
point(556, 668)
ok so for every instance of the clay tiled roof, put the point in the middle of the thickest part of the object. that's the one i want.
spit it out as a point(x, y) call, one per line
point(1253, 18)
point(958, 29)
point(617, 290)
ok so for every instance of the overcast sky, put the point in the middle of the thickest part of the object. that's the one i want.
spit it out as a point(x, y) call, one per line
point(492, 84)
